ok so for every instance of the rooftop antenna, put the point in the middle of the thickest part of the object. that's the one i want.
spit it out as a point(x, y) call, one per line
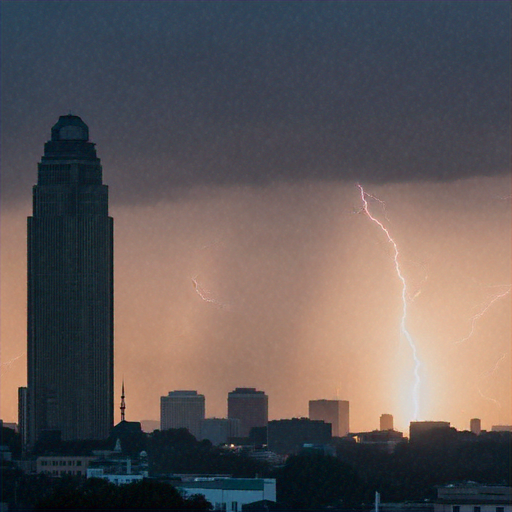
point(123, 404)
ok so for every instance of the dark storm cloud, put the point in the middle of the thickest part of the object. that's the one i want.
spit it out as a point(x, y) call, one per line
point(185, 93)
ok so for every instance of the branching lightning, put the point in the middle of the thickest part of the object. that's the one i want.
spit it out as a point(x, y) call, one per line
point(403, 328)
point(481, 313)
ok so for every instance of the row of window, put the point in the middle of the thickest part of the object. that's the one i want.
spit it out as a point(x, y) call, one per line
point(476, 508)
point(62, 472)
point(61, 463)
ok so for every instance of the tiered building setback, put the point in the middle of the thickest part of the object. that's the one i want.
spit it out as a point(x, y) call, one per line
point(70, 291)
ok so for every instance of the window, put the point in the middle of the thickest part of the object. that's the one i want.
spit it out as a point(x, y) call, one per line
point(78, 462)
point(456, 508)
point(234, 506)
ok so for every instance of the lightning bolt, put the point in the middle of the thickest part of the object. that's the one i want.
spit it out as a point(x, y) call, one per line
point(205, 295)
point(403, 328)
point(8, 364)
point(482, 313)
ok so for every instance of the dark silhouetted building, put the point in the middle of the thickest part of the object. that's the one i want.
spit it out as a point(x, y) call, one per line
point(250, 407)
point(70, 291)
point(219, 430)
point(287, 437)
point(335, 412)
point(418, 429)
point(386, 422)
point(475, 425)
point(182, 409)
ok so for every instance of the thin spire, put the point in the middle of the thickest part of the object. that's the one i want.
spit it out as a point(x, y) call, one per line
point(123, 404)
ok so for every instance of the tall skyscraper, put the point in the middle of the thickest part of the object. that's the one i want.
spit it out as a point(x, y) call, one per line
point(70, 291)
point(475, 425)
point(182, 409)
point(250, 407)
point(335, 412)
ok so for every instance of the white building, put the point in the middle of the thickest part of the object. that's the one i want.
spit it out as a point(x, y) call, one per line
point(473, 497)
point(230, 494)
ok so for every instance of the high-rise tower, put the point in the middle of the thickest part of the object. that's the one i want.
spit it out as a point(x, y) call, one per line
point(70, 291)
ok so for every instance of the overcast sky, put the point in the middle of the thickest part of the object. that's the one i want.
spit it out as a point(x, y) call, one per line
point(232, 135)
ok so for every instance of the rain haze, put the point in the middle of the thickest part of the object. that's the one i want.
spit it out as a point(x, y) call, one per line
point(233, 136)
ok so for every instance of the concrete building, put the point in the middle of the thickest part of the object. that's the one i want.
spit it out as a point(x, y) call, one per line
point(335, 412)
point(472, 497)
point(182, 409)
point(250, 407)
point(219, 430)
point(60, 465)
point(475, 426)
point(70, 291)
point(386, 422)
point(230, 494)
point(501, 428)
point(287, 437)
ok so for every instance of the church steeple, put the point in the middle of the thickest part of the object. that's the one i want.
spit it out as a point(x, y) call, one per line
point(123, 404)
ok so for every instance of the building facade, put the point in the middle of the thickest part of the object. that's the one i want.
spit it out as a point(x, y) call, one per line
point(386, 422)
point(182, 409)
point(219, 430)
point(288, 437)
point(335, 412)
point(230, 494)
point(473, 497)
point(70, 291)
point(250, 407)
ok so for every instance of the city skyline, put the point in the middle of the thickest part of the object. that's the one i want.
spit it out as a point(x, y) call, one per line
point(232, 137)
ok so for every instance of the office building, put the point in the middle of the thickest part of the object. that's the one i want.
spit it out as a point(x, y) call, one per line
point(475, 425)
point(335, 412)
point(182, 409)
point(23, 417)
point(250, 407)
point(219, 430)
point(418, 429)
point(386, 422)
point(70, 291)
point(288, 437)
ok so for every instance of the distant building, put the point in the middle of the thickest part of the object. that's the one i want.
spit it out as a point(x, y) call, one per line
point(419, 428)
point(386, 422)
point(116, 468)
point(475, 425)
point(501, 428)
point(387, 439)
point(230, 494)
point(472, 497)
point(60, 465)
point(219, 430)
point(286, 437)
point(335, 412)
point(250, 407)
point(182, 409)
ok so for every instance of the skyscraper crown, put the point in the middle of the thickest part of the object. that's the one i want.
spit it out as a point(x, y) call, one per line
point(70, 127)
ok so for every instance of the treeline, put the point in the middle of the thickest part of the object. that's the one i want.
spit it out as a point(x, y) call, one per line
point(311, 481)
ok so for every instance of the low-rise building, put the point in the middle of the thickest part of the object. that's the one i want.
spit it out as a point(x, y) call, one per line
point(230, 494)
point(60, 465)
point(472, 497)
